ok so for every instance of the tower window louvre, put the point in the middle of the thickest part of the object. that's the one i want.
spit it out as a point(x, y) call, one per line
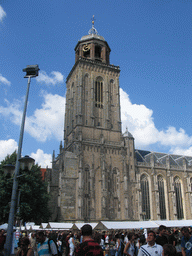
point(97, 51)
point(86, 54)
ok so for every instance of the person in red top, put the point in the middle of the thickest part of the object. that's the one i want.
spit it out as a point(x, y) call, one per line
point(88, 247)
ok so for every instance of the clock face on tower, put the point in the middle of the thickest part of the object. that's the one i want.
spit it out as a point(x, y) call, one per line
point(86, 47)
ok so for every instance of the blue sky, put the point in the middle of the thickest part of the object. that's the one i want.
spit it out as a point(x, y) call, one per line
point(149, 40)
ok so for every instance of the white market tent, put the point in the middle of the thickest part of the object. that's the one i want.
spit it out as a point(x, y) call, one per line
point(79, 225)
point(31, 227)
point(4, 226)
point(30, 223)
point(106, 225)
point(35, 227)
point(43, 225)
point(59, 226)
point(27, 227)
point(174, 223)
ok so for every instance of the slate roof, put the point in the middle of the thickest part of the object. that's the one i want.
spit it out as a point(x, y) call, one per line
point(160, 158)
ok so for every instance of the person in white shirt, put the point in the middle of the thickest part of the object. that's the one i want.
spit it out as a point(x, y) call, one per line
point(126, 240)
point(107, 238)
point(151, 248)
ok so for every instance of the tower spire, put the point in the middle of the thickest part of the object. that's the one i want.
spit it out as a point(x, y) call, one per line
point(93, 30)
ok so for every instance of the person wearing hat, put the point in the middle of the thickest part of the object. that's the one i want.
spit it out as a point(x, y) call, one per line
point(88, 245)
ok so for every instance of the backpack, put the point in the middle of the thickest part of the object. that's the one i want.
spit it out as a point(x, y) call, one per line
point(58, 252)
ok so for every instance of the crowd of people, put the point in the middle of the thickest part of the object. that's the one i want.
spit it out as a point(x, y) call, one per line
point(87, 242)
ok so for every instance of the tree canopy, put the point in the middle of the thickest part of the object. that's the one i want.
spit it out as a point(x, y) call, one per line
point(33, 203)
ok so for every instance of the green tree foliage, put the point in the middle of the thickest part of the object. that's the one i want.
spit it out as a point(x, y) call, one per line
point(33, 203)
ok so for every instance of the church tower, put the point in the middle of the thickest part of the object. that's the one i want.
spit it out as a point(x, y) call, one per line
point(92, 88)
point(94, 164)
point(98, 174)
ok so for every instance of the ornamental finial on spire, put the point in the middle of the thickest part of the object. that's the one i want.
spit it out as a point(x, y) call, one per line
point(93, 30)
point(93, 20)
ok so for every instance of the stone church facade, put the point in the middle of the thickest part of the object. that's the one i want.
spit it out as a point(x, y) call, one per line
point(98, 174)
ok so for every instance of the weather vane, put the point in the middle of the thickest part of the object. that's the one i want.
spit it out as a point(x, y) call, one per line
point(93, 20)
point(93, 30)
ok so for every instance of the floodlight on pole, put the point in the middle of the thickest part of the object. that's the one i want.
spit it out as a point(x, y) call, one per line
point(31, 71)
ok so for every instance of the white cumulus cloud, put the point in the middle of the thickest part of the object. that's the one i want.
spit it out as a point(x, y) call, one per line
point(12, 111)
point(2, 13)
point(42, 159)
point(54, 78)
point(140, 122)
point(7, 147)
point(45, 123)
point(48, 122)
point(181, 151)
point(4, 80)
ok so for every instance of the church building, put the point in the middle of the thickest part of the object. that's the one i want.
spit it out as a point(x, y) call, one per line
point(98, 174)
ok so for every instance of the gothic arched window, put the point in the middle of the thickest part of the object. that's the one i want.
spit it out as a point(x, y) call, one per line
point(86, 96)
point(72, 105)
point(145, 197)
point(111, 91)
point(68, 113)
point(161, 197)
point(99, 93)
point(191, 184)
point(179, 200)
point(115, 192)
point(116, 182)
point(87, 188)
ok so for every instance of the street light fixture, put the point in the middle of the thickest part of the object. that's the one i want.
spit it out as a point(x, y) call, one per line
point(31, 71)
point(26, 162)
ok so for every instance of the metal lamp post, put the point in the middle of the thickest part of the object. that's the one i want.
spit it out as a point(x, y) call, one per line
point(31, 71)
point(26, 163)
